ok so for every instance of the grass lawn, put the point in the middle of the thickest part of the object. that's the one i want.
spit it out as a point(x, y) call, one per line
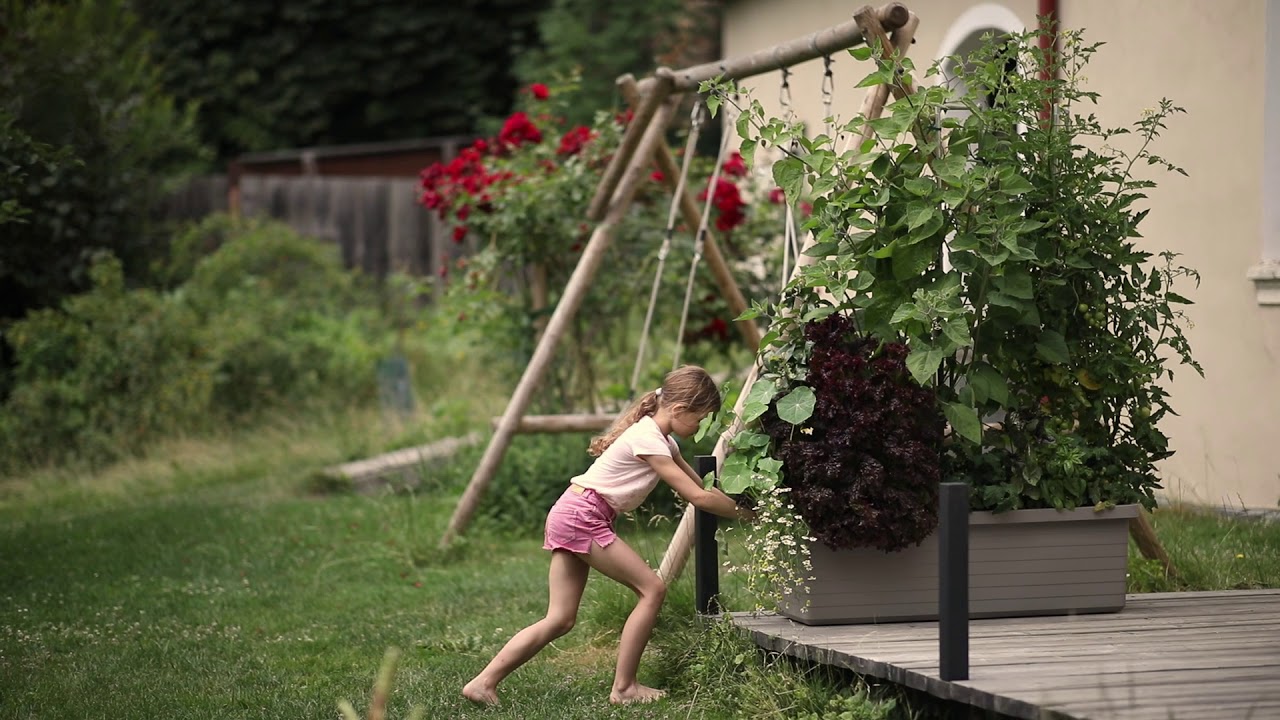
point(209, 581)
point(213, 583)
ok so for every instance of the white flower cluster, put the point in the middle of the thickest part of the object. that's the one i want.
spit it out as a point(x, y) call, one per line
point(777, 546)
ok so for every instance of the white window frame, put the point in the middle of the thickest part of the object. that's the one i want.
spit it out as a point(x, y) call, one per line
point(1266, 274)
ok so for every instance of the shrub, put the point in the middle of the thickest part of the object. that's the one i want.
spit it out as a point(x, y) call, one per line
point(284, 321)
point(270, 320)
point(83, 118)
point(104, 374)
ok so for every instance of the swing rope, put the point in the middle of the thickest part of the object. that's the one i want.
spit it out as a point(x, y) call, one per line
point(695, 130)
point(700, 238)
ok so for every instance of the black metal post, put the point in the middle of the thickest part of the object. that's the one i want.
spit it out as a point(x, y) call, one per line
point(953, 581)
point(706, 556)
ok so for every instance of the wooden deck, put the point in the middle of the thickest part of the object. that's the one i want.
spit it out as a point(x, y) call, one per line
point(1166, 655)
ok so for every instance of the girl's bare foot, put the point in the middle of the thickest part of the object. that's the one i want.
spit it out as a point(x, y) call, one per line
point(479, 694)
point(636, 694)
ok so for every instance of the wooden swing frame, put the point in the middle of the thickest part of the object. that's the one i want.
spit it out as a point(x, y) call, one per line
point(653, 100)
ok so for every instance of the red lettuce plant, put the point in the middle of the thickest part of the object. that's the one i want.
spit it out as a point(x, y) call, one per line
point(864, 468)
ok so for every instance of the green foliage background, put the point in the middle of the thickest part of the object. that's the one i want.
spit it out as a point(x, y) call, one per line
point(313, 72)
point(89, 142)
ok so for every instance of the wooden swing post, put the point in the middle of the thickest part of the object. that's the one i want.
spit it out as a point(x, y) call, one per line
point(642, 143)
point(677, 554)
point(570, 301)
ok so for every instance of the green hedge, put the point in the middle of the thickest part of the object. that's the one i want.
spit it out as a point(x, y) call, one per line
point(268, 320)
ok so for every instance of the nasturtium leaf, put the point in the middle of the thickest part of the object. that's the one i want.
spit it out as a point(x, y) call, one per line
point(797, 406)
point(735, 476)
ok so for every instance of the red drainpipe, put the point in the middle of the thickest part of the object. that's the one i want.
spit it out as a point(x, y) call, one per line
point(1049, 20)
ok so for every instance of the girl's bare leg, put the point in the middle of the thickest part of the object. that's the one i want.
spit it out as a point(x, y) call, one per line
point(620, 562)
point(565, 582)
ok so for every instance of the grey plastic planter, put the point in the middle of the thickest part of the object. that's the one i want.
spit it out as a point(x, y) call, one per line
point(1024, 562)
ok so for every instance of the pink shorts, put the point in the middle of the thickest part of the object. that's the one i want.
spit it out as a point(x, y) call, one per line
point(579, 517)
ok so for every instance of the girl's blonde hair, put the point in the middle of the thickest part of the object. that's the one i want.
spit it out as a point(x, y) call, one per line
point(689, 385)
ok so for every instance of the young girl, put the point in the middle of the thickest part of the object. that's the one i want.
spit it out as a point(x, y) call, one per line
point(630, 458)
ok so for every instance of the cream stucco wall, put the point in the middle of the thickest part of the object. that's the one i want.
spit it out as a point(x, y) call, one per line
point(1209, 58)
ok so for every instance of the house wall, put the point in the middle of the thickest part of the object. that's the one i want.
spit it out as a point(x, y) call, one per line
point(1209, 58)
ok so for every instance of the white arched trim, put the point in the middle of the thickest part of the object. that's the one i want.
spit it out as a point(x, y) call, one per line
point(979, 18)
point(1266, 274)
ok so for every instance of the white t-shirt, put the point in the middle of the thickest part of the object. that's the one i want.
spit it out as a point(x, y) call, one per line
point(620, 475)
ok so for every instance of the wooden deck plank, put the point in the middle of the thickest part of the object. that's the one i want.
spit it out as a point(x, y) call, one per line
point(1181, 655)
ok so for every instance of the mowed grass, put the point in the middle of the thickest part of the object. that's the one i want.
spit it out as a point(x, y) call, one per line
point(1208, 551)
point(215, 582)
point(211, 579)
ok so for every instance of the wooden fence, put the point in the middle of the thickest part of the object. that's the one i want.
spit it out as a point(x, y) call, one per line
point(376, 222)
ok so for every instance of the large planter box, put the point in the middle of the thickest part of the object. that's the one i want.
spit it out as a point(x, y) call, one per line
point(1023, 562)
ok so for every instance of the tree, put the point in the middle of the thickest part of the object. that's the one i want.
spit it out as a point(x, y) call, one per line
point(89, 142)
point(315, 72)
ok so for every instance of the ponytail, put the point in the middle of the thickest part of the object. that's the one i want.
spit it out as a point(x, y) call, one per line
point(646, 405)
point(688, 385)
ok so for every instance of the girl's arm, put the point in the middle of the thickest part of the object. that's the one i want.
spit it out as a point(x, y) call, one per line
point(676, 472)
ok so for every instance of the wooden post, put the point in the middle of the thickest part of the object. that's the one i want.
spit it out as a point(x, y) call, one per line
point(574, 293)
point(653, 92)
point(873, 102)
point(561, 423)
point(677, 553)
point(814, 45)
point(1144, 536)
point(692, 215)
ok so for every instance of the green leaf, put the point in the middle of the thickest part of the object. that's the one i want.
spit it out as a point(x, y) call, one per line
point(861, 53)
point(988, 383)
point(713, 104)
point(879, 77)
point(964, 421)
point(752, 410)
point(919, 186)
point(735, 476)
point(1016, 283)
point(1011, 183)
point(758, 399)
point(788, 173)
point(919, 214)
point(957, 331)
point(911, 260)
point(797, 406)
point(906, 311)
point(769, 466)
point(923, 363)
point(1001, 300)
point(748, 151)
point(1053, 347)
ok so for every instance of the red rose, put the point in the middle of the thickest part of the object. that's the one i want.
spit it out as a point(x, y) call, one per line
point(658, 177)
point(574, 140)
point(459, 233)
point(517, 130)
point(777, 196)
point(539, 91)
point(735, 165)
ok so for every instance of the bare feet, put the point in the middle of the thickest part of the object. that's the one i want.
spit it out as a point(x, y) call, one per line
point(636, 694)
point(477, 693)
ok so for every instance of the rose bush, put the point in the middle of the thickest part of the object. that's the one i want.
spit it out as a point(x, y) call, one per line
point(522, 195)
